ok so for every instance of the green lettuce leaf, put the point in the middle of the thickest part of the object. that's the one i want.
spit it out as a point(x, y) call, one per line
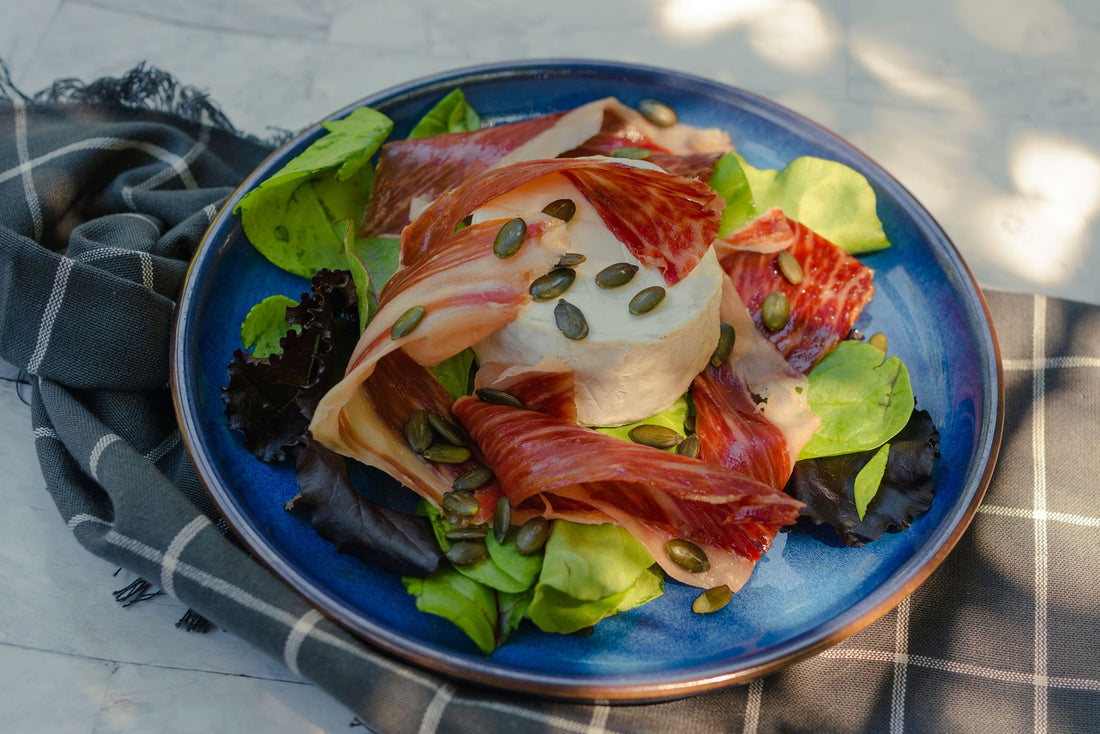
point(470, 605)
point(672, 417)
point(863, 399)
point(590, 572)
point(266, 324)
point(506, 569)
point(452, 114)
point(730, 182)
point(456, 373)
point(869, 478)
point(830, 198)
point(289, 217)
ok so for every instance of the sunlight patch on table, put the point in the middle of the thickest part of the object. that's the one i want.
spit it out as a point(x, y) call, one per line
point(908, 74)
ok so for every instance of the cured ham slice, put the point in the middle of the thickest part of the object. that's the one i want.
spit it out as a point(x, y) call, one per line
point(824, 306)
point(667, 222)
point(467, 292)
point(652, 493)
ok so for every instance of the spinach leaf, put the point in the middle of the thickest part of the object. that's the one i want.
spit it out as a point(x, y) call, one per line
point(452, 114)
point(869, 478)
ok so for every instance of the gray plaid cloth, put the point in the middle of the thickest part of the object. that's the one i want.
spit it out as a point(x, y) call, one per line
point(105, 191)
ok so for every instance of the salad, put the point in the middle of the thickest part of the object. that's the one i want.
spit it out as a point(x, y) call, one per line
point(603, 349)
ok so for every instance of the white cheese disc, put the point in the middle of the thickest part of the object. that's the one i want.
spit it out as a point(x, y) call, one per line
point(628, 367)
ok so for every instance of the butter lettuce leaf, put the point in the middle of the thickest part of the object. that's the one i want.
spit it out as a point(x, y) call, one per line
point(671, 417)
point(863, 399)
point(506, 569)
point(465, 602)
point(730, 182)
point(266, 324)
point(452, 114)
point(456, 373)
point(833, 200)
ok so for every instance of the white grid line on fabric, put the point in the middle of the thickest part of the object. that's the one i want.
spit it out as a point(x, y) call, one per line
point(901, 664)
point(550, 720)
point(297, 635)
point(49, 315)
point(598, 723)
point(172, 554)
point(210, 211)
point(145, 260)
point(1038, 449)
point(82, 518)
point(754, 699)
point(30, 194)
point(101, 143)
point(159, 451)
point(237, 595)
point(97, 452)
point(181, 168)
point(1049, 363)
point(1027, 513)
point(970, 669)
point(44, 432)
point(433, 714)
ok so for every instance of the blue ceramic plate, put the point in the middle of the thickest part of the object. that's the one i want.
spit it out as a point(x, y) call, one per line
point(807, 593)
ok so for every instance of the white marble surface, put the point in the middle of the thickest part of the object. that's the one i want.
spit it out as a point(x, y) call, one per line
point(988, 110)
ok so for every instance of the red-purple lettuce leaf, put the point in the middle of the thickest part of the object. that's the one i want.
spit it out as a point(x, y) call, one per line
point(826, 485)
point(399, 542)
point(271, 399)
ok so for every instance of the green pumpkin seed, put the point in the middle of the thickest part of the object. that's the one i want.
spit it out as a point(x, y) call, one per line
point(689, 424)
point(616, 275)
point(446, 430)
point(775, 311)
point(465, 552)
point(473, 479)
point(498, 397)
point(445, 453)
point(631, 152)
point(570, 320)
point(532, 536)
point(553, 284)
point(502, 519)
point(570, 259)
point(659, 437)
point(469, 532)
point(646, 300)
point(510, 237)
point(687, 555)
point(406, 322)
point(657, 112)
point(878, 341)
point(418, 431)
point(562, 209)
point(712, 600)
point(689, 447)
point(460, 503)
point(789, 266)
point(726, 339)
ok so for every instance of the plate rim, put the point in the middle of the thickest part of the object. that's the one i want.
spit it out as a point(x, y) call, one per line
point(658, 685)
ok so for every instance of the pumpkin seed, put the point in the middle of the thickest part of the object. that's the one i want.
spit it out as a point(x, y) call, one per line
point(460, 503)
point(689, 424)
point(498, 397)
point(445, 453)
point(570, 320)
point(469, 532)
point(632, 152)
point(532, 535)
point(726, 339)
point(562, 209)
point(775, 311)
point(659, 437)
point(646, 300)
point(473, 479)
point(465, 552)
point(616, 275)
point(712, 600)
point(418, 431)
point(502, 519)
point(689, 447)
point(687, 555)
point(406, 322)
point(510, 237)
point(570, 259)
point(553, 284)
point(446, 430)
point(789, 266)
point(657, 112)
point(878, 341)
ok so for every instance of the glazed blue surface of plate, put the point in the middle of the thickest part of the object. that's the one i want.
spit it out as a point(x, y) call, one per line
point(808, 591)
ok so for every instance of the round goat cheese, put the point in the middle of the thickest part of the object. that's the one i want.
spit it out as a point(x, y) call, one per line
point(629, 367)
